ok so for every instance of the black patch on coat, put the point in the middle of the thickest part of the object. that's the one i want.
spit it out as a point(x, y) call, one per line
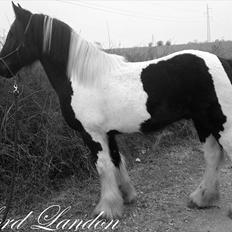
point(227, 65)
point(63, 88)
point(55, 64)
point(114, 152)
point(93, 146)
point(182, 87)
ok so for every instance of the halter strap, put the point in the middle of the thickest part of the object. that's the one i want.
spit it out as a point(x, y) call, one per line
point(28, 24)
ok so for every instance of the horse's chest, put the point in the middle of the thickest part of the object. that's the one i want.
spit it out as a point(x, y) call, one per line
point(119, 104)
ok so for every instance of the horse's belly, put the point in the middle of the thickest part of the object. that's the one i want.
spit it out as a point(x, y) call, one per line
point(125, 107)
point(128, 118)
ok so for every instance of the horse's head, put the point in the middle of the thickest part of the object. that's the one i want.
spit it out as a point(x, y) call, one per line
point(20, 47)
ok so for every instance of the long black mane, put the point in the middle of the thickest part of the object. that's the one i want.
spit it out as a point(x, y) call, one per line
point(60, 38)
point(60, 42)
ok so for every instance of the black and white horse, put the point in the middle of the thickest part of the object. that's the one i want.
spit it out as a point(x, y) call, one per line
point(101, 95)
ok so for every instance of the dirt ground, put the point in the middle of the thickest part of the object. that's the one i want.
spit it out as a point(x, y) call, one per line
point(163, 180)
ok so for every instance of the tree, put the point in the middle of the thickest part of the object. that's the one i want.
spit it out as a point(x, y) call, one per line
point(160, 43)
point(168, 43)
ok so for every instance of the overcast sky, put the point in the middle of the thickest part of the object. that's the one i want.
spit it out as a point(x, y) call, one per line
point(132, 23)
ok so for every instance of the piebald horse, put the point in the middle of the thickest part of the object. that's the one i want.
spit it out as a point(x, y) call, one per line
point(102, 95)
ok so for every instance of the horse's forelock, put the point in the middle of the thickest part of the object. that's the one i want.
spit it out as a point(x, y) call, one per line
point(47, 33)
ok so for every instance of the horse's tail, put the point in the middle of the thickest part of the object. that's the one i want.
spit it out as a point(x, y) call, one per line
point(230, 62)
point(227, 65)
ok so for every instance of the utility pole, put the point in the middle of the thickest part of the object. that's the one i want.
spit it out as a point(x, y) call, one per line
point(208, 24)
point(108, 32)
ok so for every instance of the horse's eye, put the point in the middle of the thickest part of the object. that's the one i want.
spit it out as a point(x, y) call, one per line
point(11, 34)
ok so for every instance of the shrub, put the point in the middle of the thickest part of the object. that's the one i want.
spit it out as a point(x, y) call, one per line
point(48, 149)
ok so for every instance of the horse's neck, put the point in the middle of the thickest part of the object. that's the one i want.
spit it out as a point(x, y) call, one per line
point(57, 77)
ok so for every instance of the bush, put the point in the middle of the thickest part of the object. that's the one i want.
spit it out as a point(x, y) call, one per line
point(48, 149)
point(168, 43)
point(160, 43)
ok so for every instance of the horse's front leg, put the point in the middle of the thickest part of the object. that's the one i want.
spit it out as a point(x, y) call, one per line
point(123, 179)
point(111, 202)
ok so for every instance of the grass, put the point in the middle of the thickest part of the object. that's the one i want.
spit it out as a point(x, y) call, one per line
point(49, 151)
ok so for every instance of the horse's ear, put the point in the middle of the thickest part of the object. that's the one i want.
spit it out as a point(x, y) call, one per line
point(15, 8)
point(20, 13)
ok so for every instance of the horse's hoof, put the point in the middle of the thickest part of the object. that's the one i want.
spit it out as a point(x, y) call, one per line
point(203, 201)
point(229, 212)
point(204, 197)
point(130, 199)
point(109, 209)
point(192, 205)
point(128, 193)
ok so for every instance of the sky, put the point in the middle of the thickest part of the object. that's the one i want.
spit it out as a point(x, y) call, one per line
point(133, 23)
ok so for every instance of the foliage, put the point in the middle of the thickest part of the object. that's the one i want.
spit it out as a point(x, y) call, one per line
point(48, 149)
point(168, 43)
point(160, 43)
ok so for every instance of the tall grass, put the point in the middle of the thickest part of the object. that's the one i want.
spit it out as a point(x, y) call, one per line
point(48, 149)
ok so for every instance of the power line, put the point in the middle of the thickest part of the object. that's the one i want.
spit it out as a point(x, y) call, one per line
point(108, 33)
point(136, 14)
point(160, 5)
point(124, 13)
point(208, 24)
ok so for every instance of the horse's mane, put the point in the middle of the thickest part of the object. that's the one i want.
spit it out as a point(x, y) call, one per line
point(86, 64)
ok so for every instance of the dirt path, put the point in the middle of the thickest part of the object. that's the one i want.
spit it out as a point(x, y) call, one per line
point(163, 181)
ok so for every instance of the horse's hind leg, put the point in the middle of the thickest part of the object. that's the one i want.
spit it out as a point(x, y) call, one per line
point(122, 176)
point(208, 190)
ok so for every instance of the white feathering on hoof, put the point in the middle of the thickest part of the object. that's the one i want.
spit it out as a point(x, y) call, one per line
point(229, 212)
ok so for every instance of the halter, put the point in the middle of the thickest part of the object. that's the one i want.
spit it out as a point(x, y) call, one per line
point(16, 50)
